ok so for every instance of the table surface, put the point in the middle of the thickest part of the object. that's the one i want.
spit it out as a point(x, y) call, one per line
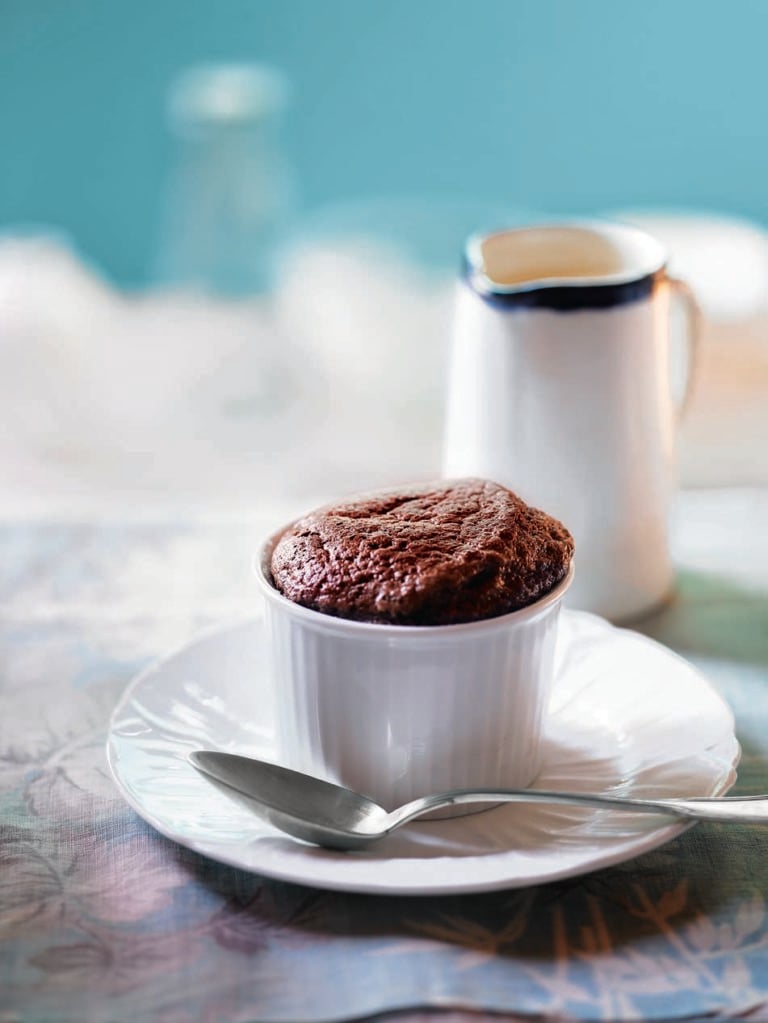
point(102, 919)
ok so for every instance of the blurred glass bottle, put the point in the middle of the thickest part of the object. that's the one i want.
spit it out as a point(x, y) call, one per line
point(232, 188)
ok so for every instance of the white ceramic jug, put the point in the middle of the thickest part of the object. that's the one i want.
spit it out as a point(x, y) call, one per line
point(561, 388)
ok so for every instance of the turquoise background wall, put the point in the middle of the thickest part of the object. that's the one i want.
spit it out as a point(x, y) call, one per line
point(556, 104)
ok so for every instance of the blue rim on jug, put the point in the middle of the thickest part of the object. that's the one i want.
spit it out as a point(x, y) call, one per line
point(639, 265)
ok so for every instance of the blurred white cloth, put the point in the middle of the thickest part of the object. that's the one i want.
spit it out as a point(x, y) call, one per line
point(166, 395)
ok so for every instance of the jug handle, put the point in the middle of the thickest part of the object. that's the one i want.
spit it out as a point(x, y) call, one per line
point(683, 296)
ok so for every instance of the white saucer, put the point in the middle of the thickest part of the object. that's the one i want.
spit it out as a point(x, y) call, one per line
point(627, 716)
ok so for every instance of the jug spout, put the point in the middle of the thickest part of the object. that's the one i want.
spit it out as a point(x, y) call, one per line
point(564, 266)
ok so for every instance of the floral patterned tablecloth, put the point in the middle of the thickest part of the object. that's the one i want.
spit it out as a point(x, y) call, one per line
point(102, 919)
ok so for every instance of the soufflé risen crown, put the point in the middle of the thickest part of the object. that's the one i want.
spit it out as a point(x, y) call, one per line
point(440, 553)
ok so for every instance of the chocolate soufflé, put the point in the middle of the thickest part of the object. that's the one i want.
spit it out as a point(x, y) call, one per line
point(441, 553)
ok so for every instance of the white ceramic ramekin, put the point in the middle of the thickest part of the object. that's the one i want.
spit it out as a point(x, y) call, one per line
point(397, 712)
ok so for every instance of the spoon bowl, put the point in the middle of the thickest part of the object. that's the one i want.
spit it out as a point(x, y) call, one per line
point(335, 817)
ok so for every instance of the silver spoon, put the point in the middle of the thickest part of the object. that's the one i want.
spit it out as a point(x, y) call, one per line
point(335, 817)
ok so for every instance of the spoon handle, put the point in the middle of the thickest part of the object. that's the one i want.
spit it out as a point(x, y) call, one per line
point(747, 809)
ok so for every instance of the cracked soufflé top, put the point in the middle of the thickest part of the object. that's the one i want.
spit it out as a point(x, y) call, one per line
point(436, 554)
